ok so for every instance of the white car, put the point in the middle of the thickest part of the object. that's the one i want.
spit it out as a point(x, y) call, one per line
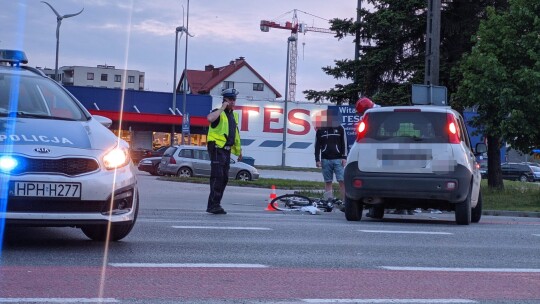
point(59, 165)
point(409, 157)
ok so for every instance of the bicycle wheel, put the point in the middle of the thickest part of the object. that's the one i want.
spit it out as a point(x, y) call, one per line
point(290, 201)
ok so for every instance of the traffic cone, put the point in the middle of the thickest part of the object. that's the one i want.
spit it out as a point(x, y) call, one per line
point(272, 196)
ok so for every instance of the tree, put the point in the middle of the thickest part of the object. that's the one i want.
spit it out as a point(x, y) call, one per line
point(501, 79)
point(392, 53)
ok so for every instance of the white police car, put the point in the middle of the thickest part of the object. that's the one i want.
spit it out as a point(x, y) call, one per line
point(411, 157)
point(59, 165)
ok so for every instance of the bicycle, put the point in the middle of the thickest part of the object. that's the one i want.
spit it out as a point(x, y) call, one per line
point(290, 202)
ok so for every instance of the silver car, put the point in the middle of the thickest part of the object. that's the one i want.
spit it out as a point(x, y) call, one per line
point(187, 161)
point(59, 165)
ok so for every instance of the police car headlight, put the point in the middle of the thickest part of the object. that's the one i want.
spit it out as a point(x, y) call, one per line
point(116, 158)
point(8, 163)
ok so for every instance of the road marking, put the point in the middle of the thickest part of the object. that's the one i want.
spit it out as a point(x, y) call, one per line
point(58, 300)
point(389, 301)
point(406, 232)
point(221, 228)
point(529, 270)
point(536, 234)
point(186, 265)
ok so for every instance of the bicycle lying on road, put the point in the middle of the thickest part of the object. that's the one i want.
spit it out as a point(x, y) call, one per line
point(290, 202)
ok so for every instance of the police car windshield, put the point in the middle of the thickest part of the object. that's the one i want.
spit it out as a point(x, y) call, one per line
point(36, 97)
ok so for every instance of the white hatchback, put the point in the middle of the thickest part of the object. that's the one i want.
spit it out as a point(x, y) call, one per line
point(59, 165)
point(411, 157)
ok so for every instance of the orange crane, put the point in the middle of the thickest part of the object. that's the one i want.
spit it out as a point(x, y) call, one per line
point(295, 28)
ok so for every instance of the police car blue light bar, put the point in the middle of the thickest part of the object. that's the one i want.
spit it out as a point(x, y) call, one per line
point(13, 56)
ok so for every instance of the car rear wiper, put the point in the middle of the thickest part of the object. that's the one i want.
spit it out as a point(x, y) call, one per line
point(33, 115)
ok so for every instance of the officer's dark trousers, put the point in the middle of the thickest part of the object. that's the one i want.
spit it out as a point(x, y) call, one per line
point(219, 175)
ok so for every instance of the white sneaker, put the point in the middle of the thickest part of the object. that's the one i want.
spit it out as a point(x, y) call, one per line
point(436, 211)
point(417, 210)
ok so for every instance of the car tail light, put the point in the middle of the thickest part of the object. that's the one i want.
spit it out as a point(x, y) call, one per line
point(450, 186)
point(362, 128)
point(452, 128)
point(357, 183)
point(172, 160)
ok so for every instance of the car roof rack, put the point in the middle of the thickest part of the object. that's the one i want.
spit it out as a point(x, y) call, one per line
point(13, 57)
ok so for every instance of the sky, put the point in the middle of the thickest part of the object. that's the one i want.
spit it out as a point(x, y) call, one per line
point(140, 35)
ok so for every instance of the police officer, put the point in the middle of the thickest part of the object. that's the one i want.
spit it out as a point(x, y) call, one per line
point(223, 139)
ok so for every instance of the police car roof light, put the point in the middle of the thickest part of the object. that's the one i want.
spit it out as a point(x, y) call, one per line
point(14, 57)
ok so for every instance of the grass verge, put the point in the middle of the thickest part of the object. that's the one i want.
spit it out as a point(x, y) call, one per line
point(516, 196)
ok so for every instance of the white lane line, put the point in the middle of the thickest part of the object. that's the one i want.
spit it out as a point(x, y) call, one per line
point(454, 301)
point(405, 232)
point(186, 265)
point(528, 270)
point(221, 228)
point(58, 300)
point(536, 234)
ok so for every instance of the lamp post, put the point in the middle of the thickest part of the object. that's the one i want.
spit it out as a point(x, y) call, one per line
point(178, 29)
point(58, 23)
point(285, 118)
point(184, 84)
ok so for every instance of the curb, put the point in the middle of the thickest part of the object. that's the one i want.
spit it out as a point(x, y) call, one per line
point(511, 213)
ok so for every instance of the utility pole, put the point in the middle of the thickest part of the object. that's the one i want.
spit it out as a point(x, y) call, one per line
point(357, 43)
point(433, 39)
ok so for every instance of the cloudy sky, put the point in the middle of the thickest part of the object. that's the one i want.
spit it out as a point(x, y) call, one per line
point(139, 35)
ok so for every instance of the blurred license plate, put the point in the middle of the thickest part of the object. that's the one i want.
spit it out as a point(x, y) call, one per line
point(42, 189)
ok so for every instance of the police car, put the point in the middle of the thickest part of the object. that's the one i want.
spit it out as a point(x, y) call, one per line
point(409, 157)
point(59, 165)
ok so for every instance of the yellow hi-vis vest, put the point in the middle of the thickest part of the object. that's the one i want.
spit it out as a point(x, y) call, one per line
point(218, 133)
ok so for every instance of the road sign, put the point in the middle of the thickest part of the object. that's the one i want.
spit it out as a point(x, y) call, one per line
point(429, 95)
point(185, 123)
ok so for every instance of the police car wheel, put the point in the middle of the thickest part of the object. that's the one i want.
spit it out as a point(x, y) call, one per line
point(118, 231)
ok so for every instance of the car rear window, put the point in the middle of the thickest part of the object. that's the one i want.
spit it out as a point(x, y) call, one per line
point(405, 127)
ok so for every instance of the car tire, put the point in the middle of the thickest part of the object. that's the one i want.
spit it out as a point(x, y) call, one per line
point(184, 172)
point(476, 212)
point(353, 209)
point(377, 212)
point(158, 171)
point(523, 178)
point(463, 210)
point(243, 175)
point(118, 231)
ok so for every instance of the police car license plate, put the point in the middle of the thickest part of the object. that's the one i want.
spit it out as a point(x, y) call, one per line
point(45, 189)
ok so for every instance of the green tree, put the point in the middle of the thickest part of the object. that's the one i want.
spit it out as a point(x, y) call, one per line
point(392, 52)
point(501, 80)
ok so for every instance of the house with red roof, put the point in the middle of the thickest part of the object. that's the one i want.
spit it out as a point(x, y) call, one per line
point(237, 74)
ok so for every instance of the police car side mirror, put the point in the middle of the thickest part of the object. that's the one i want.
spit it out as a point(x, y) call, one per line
point(103, 120)
point(480, 148)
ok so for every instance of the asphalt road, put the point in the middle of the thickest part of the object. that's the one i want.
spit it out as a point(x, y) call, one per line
point(179, 254)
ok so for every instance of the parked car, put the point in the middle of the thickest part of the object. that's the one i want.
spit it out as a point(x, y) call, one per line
point(409, 157)
point(187, 161)
point(150, 165)
point(517, 171)
point(158, 152)
point(536, 173)
point(60, 165)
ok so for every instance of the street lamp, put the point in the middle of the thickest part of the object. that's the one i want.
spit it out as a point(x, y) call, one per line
point(185, 118)
point(178, 29)
point(285, 118)
point(58, 23)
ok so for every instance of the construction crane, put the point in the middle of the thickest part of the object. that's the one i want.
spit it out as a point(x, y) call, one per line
point(295, 28)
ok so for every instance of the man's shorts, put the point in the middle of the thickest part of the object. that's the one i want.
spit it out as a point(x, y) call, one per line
point(331, 166)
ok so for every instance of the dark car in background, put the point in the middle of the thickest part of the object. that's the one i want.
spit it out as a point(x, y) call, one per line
point(150, 165)
point(517, 171)
point(157, 152)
